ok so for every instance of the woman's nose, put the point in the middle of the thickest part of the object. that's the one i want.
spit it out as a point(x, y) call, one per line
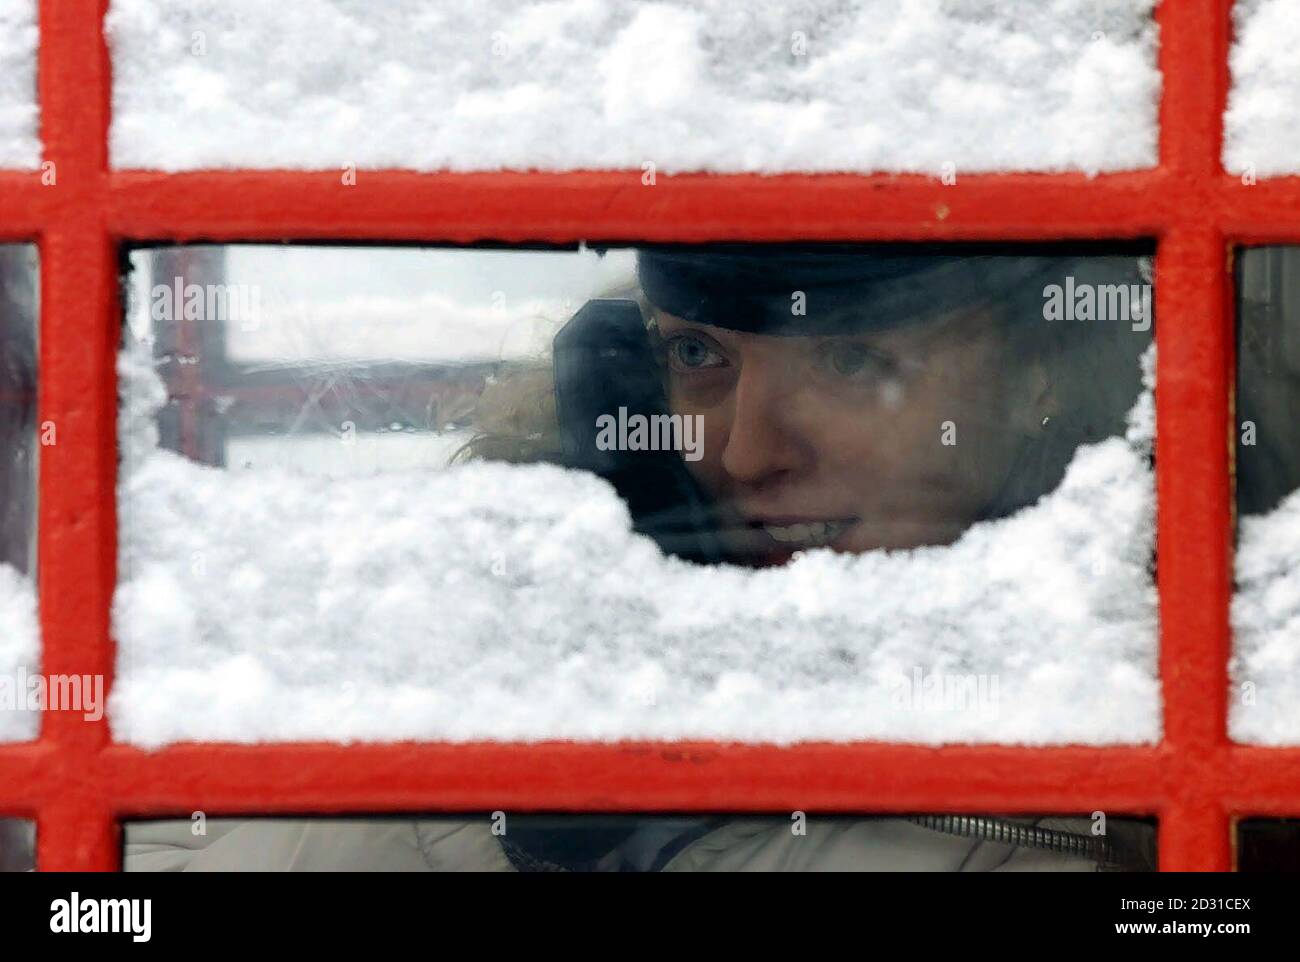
point(763, 442)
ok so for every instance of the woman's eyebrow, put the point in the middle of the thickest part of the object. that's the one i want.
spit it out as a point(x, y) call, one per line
point(679, 325)
point(672, 320)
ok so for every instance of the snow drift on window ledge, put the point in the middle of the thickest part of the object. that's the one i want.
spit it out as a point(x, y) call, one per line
point(20, 147)
point(709, 85)
point(19, 654)
point(1261, 135)
point(490, 601)
point(1266, 628)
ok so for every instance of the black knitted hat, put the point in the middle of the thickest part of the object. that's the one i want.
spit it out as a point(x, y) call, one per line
point(802, 289)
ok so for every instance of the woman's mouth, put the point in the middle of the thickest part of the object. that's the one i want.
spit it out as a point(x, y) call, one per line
point(803, 535)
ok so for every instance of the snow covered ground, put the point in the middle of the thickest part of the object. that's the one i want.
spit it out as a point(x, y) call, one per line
point(1265, 708)
point(19, 114)
point(1261, 134)
point(801, 85)
point(513, 602)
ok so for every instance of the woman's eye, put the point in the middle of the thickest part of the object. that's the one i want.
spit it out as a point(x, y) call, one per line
point(689, 353)
point(855, 360)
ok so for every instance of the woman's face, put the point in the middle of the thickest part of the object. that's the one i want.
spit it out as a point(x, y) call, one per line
point(891, 439)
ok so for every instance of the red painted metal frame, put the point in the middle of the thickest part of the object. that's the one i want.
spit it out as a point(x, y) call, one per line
point(78, 784)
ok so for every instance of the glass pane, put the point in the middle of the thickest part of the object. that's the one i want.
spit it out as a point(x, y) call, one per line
point(1268, 845)
point(816, 85)
point(18, 284)
point(19, 635)
point(504, 842)
point(743, 492)
point(20, 141)
point(19, 640)
point(17, 845)
point(1266, 607)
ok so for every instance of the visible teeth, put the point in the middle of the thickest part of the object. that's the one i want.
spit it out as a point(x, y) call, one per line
point(788, 533)
point(806, 534)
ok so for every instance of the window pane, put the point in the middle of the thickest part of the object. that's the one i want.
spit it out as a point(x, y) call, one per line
point(1266, 607)
point(17, 845)
point(20, 144)
point(1268, 845)
point(18, 279)
point(758, 493)
point(817, 85)
point(19, 641)
point(1257, 139)
point(505, 842)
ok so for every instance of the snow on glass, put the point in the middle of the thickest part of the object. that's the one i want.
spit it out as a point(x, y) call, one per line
point(19, 145)
point(19, 654)
point(493, 601)
point(1266, 628)
point(815, 85)
point(1261, 136)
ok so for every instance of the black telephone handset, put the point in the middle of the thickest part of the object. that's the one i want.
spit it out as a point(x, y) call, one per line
point(603, 362)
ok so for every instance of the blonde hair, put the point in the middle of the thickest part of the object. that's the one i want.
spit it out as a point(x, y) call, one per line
point(515, 419)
